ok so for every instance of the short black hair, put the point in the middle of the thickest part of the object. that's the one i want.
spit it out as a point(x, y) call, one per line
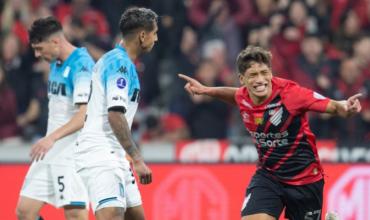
point(250, 55)
point(42, 28)
point(136, 18)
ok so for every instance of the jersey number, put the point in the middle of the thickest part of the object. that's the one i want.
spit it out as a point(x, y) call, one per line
point(61, 184)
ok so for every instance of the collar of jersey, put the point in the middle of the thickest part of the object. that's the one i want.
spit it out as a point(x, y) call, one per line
point(121, 48)
point(71, 56)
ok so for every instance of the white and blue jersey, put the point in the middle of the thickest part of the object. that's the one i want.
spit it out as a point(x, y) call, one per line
point(115, 84)
point(54, 179)
point(68, 85)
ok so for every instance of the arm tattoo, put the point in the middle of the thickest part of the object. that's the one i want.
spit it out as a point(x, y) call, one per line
point(122, 132)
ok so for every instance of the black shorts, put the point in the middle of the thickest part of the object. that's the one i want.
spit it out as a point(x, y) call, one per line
point(267, 195)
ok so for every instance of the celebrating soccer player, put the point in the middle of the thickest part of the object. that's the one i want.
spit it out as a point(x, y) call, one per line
point(289, 174)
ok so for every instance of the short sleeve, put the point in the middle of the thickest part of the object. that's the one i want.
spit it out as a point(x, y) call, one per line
point(116, 82)
point(81, 79)
point(299, 99)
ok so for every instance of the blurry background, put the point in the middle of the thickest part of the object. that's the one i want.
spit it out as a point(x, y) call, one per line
point(322, 44)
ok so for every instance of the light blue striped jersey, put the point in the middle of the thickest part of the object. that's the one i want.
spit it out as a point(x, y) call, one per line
point(69, 84)
point(115, 83)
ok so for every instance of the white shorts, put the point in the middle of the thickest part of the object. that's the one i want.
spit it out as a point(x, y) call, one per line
point(111, 186)
point(54, 184)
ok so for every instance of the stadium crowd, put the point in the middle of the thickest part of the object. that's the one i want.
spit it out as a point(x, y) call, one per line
point(322, 44)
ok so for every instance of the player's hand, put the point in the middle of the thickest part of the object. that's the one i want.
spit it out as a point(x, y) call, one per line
point(41, 147)
point(143, 172)
point(353, 104)
point(193, 87)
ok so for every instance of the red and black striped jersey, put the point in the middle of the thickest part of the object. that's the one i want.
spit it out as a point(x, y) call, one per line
point(279, 128)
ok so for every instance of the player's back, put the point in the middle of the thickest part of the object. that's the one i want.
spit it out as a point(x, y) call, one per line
point(114, 84)
point(68, 86)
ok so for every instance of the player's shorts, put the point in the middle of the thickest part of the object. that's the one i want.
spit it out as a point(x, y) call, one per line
point(267, 195)
point(111, 186)
point(54, 184)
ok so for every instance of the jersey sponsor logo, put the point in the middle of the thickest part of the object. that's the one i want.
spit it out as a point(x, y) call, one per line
point(84, 69)
point(118, 98)
point(273, 105)
point(318, 96)
point(122, 69)
point(121, 83)
point(66, 72)
point(83, 95)
point(275, 119)
point(271, 139)
point(56, 88)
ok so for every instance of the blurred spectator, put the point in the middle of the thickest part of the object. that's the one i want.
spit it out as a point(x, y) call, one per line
point(166, 128)
point(185, 61)
point(173, 19)
point(94, 21)
point(85, 24)
point(14, 19)
point(262, 10)
point(200, 11)
point(8, 109)
point(219, 23)
point(215, 51)
point(311, 68)
point(18, 74)
point(203, 112)
point(348, 32)
point(350, 82)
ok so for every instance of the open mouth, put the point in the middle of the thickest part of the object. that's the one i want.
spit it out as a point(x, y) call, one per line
point(260, 87)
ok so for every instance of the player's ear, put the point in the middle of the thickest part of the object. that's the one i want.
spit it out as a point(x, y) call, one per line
point(241, 79)
point(142, 35)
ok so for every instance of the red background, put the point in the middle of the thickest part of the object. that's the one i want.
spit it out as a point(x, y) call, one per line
point(202, 191)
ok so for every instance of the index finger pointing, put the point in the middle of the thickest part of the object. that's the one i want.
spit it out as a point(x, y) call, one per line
point(187, 78)
point(358, 95)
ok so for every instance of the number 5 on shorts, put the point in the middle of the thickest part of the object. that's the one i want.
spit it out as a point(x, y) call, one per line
point(61, 184)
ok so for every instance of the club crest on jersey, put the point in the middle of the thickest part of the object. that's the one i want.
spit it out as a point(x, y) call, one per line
point(276, 116)
point(121, 83)
point(258, 120)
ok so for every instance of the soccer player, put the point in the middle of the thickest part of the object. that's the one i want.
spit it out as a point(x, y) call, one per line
point(52, 177)
point(106, 137)
point(273, 110)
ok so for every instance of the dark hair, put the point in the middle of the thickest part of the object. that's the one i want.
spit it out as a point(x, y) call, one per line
point(136, 18)
point(42, 28)
point(250, 55)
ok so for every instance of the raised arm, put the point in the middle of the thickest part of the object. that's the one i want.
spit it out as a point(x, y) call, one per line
point(345, 108)
point(41, 147)
point(119, 125)
point(194, 87)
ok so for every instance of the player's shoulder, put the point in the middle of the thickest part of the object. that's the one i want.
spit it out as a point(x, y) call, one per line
point(116, 59)
point(82, 58)
point(242, 97)
point(283, 83)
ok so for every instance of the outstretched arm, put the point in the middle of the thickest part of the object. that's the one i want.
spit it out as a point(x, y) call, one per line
point(119, 125)
point(345, 108)
point(194, 87)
